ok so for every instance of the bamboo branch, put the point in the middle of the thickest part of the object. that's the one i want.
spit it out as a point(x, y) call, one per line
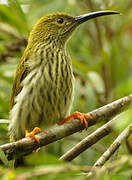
point(113, 147)
point(27, 145)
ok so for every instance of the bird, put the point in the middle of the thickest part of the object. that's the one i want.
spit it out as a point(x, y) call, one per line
point(43, 88)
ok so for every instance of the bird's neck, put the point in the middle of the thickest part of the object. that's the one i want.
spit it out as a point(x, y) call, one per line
point(48, 42)
point(51, 46)
point(43, 52)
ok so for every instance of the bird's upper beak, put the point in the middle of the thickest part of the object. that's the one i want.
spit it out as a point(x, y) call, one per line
point(85, 17)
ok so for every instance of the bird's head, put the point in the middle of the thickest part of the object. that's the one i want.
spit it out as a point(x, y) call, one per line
point(59, 26)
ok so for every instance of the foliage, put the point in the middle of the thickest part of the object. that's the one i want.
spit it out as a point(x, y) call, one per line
point(101, 52)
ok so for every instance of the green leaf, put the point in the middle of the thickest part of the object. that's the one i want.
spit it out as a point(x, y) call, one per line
point(4, 158)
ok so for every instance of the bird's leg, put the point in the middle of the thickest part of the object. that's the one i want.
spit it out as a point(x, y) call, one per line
point(32, 134)
point(77, 115)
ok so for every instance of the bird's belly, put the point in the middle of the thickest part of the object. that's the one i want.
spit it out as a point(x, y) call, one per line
point(40, 103)
point(56, 103)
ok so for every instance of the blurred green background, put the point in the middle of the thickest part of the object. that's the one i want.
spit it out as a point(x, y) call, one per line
point(101, 53)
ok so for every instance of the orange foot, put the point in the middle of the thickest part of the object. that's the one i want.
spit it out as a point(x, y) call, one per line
point(77, 115)
point(32, 134)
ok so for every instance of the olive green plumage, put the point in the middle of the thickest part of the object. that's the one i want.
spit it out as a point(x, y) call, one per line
point(42, 93)
point(43, 88)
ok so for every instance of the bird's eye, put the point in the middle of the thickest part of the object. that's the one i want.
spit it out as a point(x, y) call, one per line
point(60, 20)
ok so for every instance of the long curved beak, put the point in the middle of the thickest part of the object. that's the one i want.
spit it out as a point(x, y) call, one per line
point(85, 17)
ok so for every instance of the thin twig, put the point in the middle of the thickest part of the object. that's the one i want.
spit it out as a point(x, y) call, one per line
point(27, 145)
point(113, 147)
point(88, 141)
point(54, 169)
point(99, 172)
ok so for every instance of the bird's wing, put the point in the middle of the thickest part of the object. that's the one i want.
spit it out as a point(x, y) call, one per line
point(21, 72)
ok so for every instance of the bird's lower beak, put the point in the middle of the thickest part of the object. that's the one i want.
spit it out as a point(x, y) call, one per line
point(85, 17)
